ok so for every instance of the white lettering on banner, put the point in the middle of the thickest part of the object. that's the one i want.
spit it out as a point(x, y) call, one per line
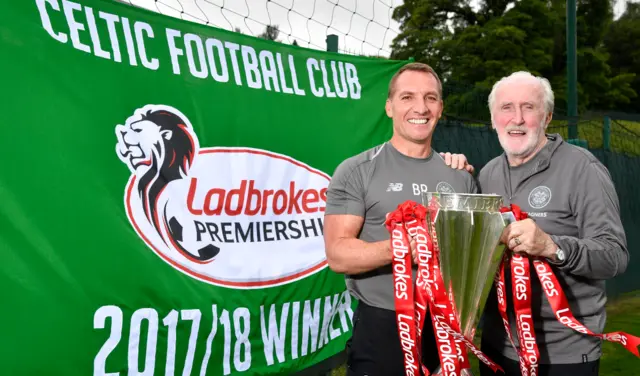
point(330, 309)
point(348, 86)
point(327, 87)
point(171, 322)
point(341, 88)
point(139, 27)
point(80, 30)
point(205, 57)
point(280, 325)
point(242, 340)
point(195, 56)
point(295, 312)
point(46, 21)
point(110, 20)
point(99, 322)
point(310, 326)
point(271, 336)
point(95, 38)
point(269, 71)
point(312, 65)
point(354, 82)
point(219, 69)
point(316, 329)
point(266, 70)
point(129, 42)
point(174, 51)
point(74, 26)
point(233, 50)
point(283, 78)
point(252, 73)
point(151, 316)
point(294, 78)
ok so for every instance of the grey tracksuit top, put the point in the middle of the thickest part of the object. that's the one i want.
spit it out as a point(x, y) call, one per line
point(372, 184)
point(570, 195)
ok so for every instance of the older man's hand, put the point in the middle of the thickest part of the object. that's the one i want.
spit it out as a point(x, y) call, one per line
point(457, 161)
point(526, 237)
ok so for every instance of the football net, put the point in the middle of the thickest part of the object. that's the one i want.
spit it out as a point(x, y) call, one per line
point(363, 27)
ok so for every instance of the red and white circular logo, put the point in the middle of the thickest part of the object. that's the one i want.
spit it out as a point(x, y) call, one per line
point(235, 217)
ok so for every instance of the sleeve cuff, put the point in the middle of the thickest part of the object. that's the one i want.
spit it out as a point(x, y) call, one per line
point(565, 245)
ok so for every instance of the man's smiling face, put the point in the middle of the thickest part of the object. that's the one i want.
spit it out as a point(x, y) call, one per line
point(519, 117)
point(415, 106)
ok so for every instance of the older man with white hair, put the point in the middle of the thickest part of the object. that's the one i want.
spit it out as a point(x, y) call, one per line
point(574, 224)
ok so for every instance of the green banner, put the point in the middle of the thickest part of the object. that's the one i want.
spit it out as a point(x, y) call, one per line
point(163, 187)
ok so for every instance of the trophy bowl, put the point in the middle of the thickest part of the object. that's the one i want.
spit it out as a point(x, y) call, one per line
point(467, 228)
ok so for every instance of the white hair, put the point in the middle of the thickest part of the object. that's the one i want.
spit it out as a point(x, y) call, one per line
point(547, 92)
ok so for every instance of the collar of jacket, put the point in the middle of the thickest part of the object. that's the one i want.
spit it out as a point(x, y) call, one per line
point(541, 160)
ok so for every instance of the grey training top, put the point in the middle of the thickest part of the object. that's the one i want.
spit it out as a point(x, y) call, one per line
point(570, 195)
point(374, 183)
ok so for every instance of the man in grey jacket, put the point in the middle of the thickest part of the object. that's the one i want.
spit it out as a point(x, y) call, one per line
point(363, 190)
point(574, 223)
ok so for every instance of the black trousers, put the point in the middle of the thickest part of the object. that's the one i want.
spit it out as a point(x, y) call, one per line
point(512, 367)
point(374, 348)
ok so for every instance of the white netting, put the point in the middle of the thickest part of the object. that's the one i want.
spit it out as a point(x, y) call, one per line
point(364, 27)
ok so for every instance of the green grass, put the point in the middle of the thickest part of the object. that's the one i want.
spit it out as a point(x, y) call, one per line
point(623, 314)
point(624, 135)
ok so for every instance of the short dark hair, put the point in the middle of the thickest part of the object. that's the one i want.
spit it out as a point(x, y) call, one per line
point(416, 67)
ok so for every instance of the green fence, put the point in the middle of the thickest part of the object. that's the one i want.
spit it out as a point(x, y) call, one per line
point(615, 142)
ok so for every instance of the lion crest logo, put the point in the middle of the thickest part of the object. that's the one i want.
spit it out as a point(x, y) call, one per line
point(222, 215)
point(158, 146)
point(539, 197)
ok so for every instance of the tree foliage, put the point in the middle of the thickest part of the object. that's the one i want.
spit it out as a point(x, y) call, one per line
point(473, 48)
point(622, 41)
point(271, 32)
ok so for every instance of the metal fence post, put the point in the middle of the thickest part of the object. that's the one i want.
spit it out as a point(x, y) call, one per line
point(332, 43)
point(572, 70)
point(606, 134)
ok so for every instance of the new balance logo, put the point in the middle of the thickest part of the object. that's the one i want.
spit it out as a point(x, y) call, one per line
point(394, 187)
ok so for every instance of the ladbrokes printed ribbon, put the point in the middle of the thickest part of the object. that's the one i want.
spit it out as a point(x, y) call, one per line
point(521, 288)
point(430, 293)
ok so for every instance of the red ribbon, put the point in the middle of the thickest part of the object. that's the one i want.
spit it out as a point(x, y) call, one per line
point(430, 292)
point(520, 276)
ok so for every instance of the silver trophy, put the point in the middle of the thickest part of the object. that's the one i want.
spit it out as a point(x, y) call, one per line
point(468, 229)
